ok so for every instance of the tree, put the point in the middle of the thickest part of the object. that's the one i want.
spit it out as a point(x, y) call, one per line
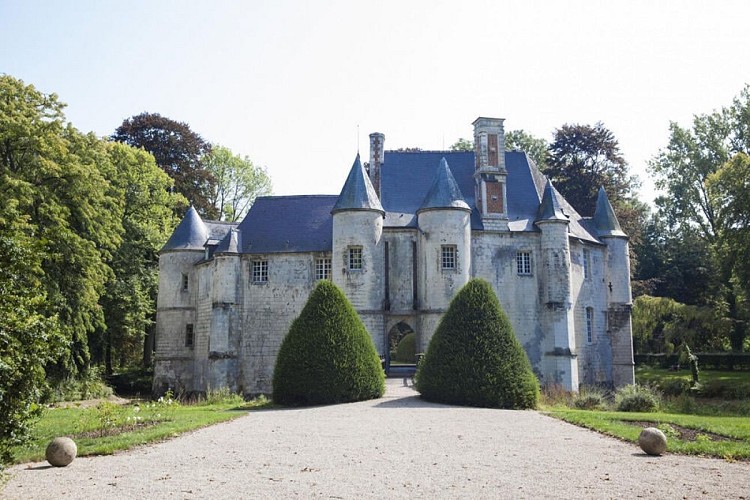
point(474, 358)
point(583, 158)
point(463, 145)
point(327, 356)
point(54, 178)
point(535, 147)
point(686, 169)
point(177, 150)
point(237, 182)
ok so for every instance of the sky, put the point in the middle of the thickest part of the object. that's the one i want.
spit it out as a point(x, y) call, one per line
point(298, 86)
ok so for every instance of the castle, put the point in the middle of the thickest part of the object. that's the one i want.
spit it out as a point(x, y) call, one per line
point(402, 237)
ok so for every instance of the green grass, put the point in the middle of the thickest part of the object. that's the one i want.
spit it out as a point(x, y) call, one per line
point(616, 424)
point(108, 428)
point(650, 375)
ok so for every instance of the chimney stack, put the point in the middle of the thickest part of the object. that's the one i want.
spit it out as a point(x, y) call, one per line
point(377, 141)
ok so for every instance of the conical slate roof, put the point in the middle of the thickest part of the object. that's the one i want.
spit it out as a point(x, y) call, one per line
point(549, 208)
point(232, 243)
point(190, 234)
point(444, 192)
point(358, 193)
point(605, 220)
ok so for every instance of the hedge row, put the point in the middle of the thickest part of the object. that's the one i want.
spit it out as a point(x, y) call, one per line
point(706, 360)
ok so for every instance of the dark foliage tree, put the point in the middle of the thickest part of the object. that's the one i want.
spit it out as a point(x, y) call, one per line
point(178, 151)
point(327, 356)
point(474, 358)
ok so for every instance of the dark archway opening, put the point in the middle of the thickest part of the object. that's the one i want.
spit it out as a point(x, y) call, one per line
point(401, 351)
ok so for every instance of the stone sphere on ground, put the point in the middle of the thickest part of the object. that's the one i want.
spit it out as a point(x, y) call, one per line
point(652, 441)
point(61, 451)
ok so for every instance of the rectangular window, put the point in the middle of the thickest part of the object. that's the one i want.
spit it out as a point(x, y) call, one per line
point(448, 257)
point(189, 335)
point(586, 263)
point(355, 258)
point(322, 269)
point(589, 324)
point(185, 282)
point(523, 263)
point(260, 271)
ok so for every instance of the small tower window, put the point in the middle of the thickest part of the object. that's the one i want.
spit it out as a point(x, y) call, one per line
point(185, 282)
point(448, 257)
point(322, 269)
point(189, 335)
point(586, 263)
point(355, 258)
point(523, 263)
point(589, 324)
point(260, 271)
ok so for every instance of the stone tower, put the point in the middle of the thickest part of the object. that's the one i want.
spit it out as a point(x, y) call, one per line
point(557, 305)
point(490, 175)
point(619, 300)
point(444, 249)
point(176, 341)
point(358, 264)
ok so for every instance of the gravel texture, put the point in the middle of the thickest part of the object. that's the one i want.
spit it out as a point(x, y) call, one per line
point(395, 447)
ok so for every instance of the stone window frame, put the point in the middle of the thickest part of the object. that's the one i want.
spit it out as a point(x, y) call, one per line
point(354, 259)
point(589, 316)
point(259, 271)
point(586, 263)
point(448, 257)
point(185, 286)
point(323, 268)
point(524, 263)
point(190, 335)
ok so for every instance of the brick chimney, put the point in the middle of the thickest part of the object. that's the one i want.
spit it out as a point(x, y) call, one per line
point(377, 141)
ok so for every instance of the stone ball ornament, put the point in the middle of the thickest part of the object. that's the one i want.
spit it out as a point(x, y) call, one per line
point(652, 441)
point(61, 451)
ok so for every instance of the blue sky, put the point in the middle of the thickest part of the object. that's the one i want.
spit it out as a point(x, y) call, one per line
point(297, 85)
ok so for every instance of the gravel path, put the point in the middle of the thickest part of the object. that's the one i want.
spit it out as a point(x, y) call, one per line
point(395, 447)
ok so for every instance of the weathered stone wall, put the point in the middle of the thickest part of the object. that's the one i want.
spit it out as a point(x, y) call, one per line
point(620, 304)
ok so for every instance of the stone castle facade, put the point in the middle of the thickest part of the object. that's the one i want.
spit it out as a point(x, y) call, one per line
point(400, 240)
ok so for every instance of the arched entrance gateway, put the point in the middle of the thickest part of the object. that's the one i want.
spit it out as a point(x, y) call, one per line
point(401, 350)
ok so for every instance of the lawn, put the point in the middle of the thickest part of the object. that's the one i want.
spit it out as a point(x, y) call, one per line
point(648, 374)
point(107, 428)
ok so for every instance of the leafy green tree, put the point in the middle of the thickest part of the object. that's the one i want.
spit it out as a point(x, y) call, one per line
point(463, 145)
point(474, 358)
point(237, 183)
point(535, 147)
point(29, 338)
point(178, 151)
point(54, 177)
point(327, 356)
point(684, 169)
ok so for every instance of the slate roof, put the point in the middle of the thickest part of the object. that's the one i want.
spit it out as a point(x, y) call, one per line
point(550, 208)
point(358, 193)
point(190, 234)
point(278, 224)
point(232, 242)
point(604, 219)
point(444, 192)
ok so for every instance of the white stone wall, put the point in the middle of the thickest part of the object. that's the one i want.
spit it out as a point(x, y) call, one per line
point(619, 313)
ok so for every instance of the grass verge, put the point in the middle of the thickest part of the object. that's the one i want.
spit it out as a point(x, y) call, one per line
point(108, 428)
point(723, 437)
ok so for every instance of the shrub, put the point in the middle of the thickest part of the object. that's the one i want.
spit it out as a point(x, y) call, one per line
point(406, 351)
point(327, 356)
point(590, 398)
point(474, 358)
point(636, 398)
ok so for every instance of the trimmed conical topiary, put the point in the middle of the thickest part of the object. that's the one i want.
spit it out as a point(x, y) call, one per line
point(327, 356)
point(474, 358)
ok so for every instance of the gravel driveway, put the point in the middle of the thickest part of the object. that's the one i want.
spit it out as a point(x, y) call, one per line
point(395, 447)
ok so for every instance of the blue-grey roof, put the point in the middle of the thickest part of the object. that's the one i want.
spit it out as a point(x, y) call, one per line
point(231, 243)
point(604, 219)
point(358, 193)
point(278, 224)
point(190, 234)
point(549, 208)
point(444, 192)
